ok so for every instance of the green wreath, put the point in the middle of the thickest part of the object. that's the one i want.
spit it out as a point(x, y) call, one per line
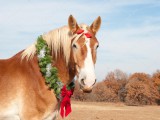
point(49, 72)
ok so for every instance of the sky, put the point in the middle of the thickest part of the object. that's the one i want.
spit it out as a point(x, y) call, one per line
point(129, 36)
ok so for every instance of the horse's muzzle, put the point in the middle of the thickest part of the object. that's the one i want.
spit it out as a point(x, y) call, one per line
point(87, 90)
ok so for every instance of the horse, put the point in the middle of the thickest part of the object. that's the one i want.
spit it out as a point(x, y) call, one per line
point(24, 94)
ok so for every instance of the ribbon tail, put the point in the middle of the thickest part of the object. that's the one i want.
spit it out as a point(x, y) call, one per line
point(68, 109)
point(62, 111)
point(65, 103)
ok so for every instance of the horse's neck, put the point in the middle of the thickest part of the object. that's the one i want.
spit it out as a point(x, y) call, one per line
point(65, 72)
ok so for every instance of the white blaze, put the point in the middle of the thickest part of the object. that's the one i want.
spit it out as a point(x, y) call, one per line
point(87, 72)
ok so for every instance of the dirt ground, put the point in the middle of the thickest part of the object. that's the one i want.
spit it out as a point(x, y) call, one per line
point(112, 111)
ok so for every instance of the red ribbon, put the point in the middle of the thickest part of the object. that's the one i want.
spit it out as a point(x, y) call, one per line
point(80, 31)
point(88, 35)
point(65, 102)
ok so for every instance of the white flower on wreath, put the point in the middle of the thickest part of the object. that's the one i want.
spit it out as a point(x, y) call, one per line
point(42, 53)
point(48, 68)
point(60, 84)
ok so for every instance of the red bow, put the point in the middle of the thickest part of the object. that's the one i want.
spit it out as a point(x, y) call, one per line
point(88, 35)
point(65, 102)
point(80, 31)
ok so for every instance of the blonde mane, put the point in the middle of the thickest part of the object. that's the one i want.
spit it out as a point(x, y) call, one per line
point(58, 39)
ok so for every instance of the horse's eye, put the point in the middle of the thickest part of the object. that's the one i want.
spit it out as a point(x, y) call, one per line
point(97, 46)
point(74, 46)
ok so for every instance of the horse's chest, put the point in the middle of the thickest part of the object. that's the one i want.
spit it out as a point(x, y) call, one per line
point(10, 113)
point(52, 116)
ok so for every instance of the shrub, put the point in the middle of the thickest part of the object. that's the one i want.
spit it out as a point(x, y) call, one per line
point(156, 79)
point(104, 93)
point(140, 90)
point(137, 89)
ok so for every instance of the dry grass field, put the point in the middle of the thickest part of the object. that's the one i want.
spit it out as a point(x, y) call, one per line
point(112, 111)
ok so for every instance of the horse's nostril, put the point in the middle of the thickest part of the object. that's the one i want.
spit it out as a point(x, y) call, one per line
point(82, 81)
point(94, 82)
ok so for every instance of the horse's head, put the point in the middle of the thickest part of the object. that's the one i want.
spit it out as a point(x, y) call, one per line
point(84, 50)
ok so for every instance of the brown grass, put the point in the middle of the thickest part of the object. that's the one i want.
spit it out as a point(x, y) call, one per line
point(112, 111)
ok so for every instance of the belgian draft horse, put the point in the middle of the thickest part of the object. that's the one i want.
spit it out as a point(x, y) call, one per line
point(24, 94)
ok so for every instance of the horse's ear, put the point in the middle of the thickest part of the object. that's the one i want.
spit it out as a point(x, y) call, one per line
point(72, 23)
point(96, 25)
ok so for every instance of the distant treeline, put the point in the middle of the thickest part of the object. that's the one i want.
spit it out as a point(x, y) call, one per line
point(134, 89)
